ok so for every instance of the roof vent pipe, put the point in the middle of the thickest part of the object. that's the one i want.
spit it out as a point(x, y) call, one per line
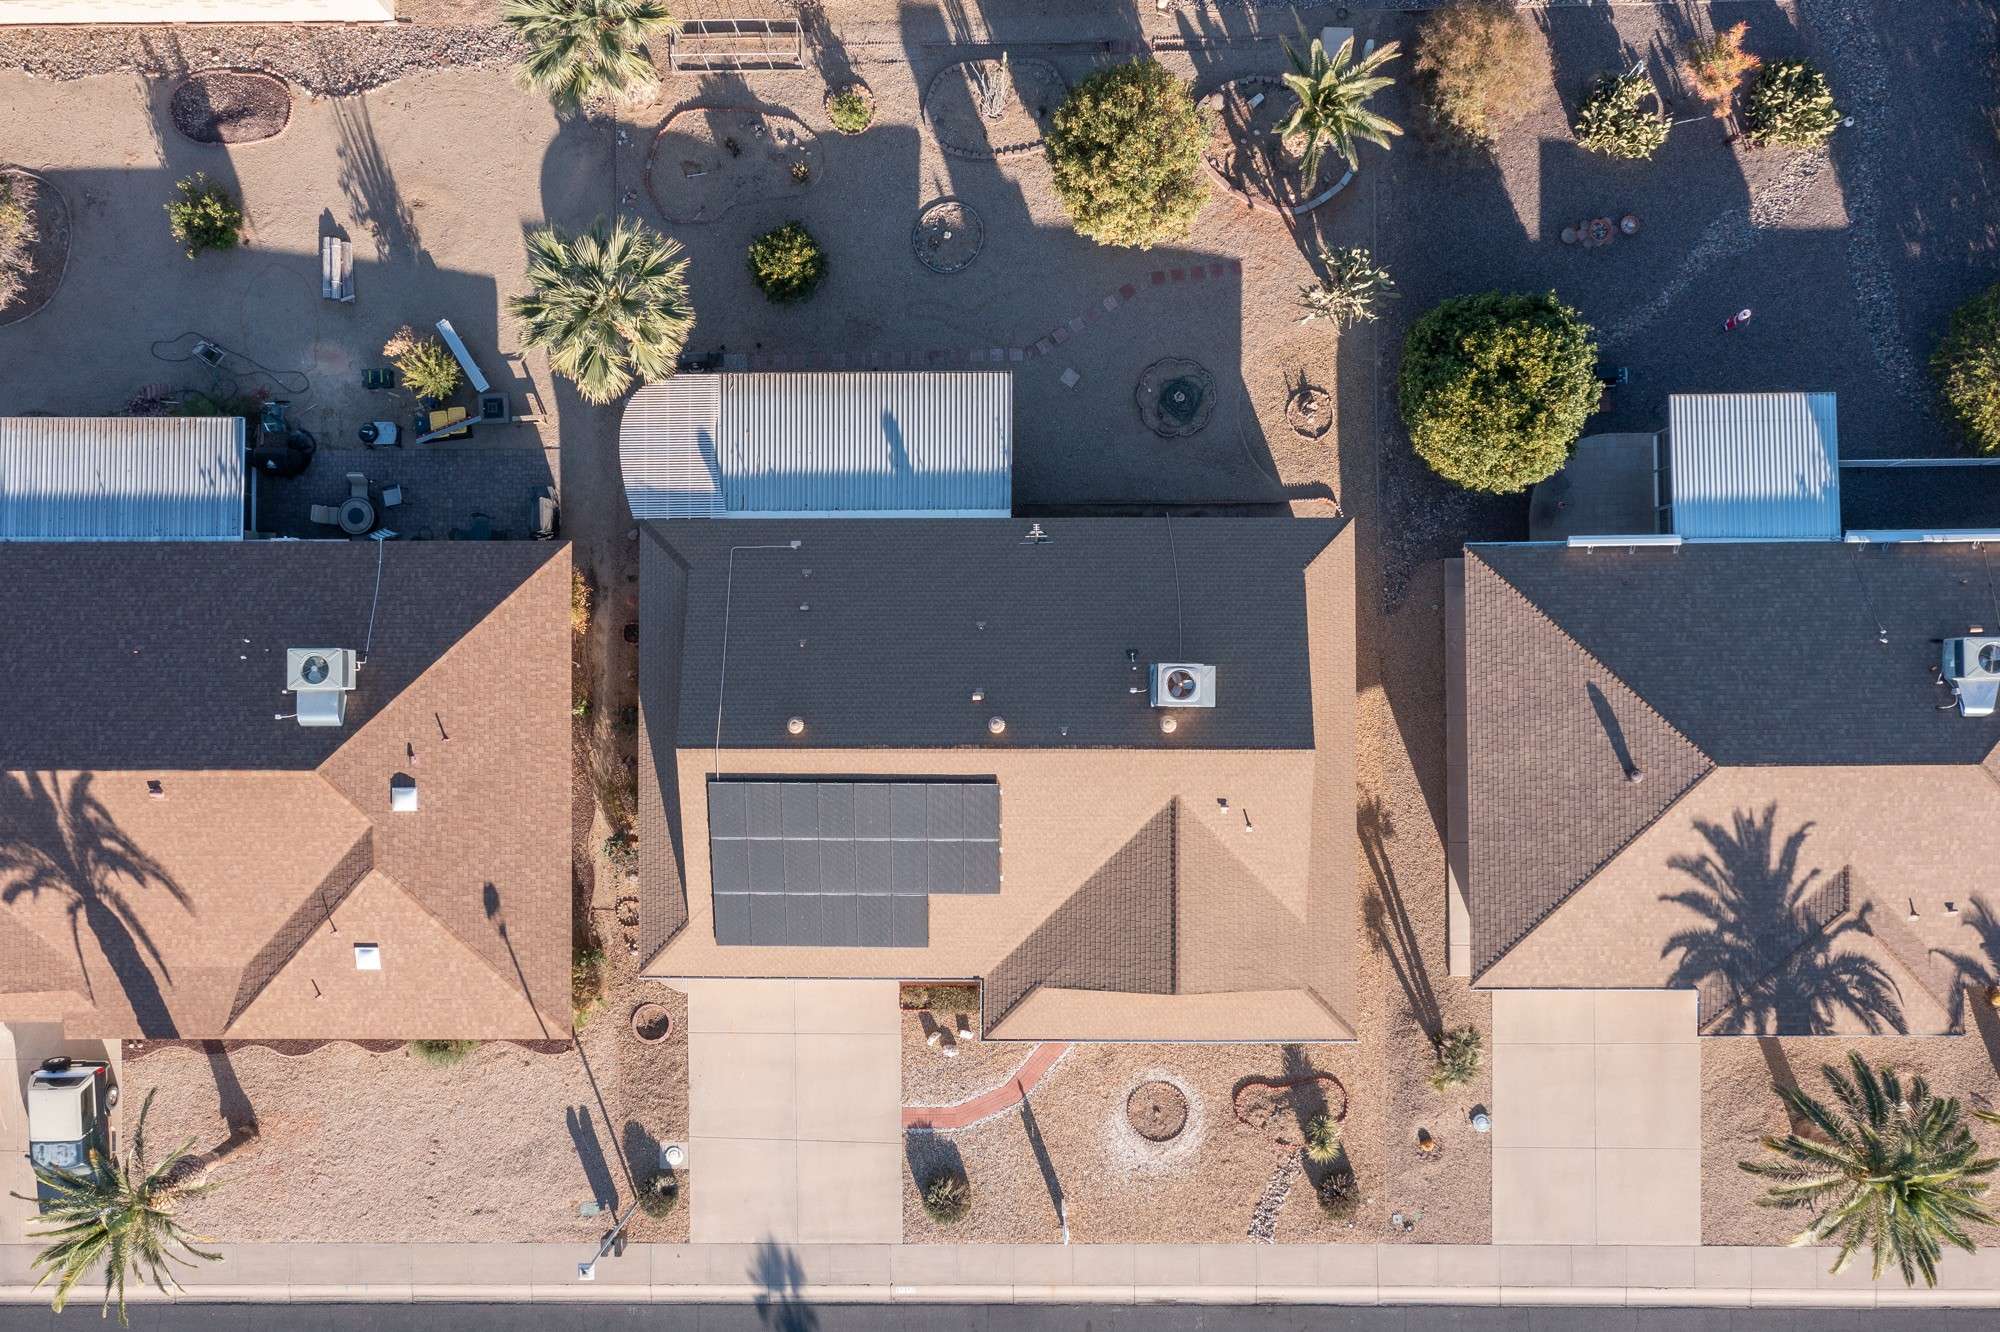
point(996, 724)
point(796, 725)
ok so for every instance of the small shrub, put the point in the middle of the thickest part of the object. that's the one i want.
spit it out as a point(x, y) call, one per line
point(1718, 66)
point(204, 216)
point(17, 241)
point(947, 1198)
point(1495, 388)
point(1125, 149)
point(849, 111)
point(579, 602)
point(586, 980)
point(1350, 290)
point(787, 264)
point(1966, 365)
point(802, 171)
point(622, 850)
point(1337, 1195)
point(941, 998)
point(1614, 120)
point(443, 1054)
point(428, 368)
point(1322, 1139)
point(1458, 1055)
point(1478, 65)
point(659, 1191)
point(1790, 106)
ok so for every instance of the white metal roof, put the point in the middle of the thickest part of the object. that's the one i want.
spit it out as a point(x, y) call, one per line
point(1754, 466)
point(118, 478)
point(838, 444)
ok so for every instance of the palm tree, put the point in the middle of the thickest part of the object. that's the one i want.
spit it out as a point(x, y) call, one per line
point(610, 304)
point(581, 49)
point(1333, 101)
point(1774, 937)
point(1897, 1170)
point(120, 1213)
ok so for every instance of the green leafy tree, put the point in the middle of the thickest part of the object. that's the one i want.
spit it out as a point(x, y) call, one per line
point(1125, 152)
point(120, 1214)
point(1495, 388)
point(204, 216)
point(1893, 1169)
point(1479, 63)
point(1967, 368)
point(428, 368)
point(581, 50)
point(610, 304)
point(1789, 105)
point(787, 264)
point(1333, 93)
point(1717, 67)
point(1614, 120)
point(849, 111)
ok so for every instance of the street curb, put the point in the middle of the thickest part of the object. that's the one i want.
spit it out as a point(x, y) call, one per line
point(1388, 1296)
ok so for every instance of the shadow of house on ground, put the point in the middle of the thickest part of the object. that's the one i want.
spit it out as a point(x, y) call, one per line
point(65, 844)
point(1770, 958)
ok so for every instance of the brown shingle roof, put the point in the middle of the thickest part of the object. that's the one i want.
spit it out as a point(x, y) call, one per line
point(194, 907)
point(1125, 883)
point(1824, 739)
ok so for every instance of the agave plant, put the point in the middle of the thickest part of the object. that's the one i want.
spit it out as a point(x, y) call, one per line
point(579, 50)
point(610, 304)
point(1896, 1169)
point(1352, 286)
point(1333, 95)
point(121, 1214)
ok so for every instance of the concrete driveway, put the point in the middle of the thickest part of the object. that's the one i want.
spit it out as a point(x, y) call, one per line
point(23, 1046)
point(794, 1111)
point(1596, 1117)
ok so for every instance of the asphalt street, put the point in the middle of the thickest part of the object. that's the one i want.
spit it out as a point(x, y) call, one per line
point(791, 1317)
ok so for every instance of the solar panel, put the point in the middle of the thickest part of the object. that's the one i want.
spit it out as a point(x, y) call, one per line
point(805, 863)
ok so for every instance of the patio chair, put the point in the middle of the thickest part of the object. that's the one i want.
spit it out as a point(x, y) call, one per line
point(392, 495)
point(545, 520)
point(357, 485)
point(326, 515)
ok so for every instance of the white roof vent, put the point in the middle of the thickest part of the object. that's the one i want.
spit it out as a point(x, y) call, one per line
point(321, 678)
point(1971, 666)
point(1182, 685)
point(403, 793)
point(367, 957)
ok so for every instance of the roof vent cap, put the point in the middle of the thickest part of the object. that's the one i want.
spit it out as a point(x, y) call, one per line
point(1182, 685)
point(367, 957)
point(403, 793)
point(1971, 666)
point(996, 724)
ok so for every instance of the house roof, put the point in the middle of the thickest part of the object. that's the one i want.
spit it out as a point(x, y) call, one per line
point(1151, 887)
point(1731, 678)
point(880, 634)
point(228, 902)
point(843, 443)
point(121, 478)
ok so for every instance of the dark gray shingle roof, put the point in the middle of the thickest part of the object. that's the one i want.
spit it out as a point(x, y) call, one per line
point(878, 633)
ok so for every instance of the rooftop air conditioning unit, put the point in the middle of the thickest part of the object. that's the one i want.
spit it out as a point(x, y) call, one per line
point(321, 679)
point(1182, 685)
point(1971, 666)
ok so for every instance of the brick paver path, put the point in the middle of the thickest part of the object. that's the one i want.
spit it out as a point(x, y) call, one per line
point(1009, 1093)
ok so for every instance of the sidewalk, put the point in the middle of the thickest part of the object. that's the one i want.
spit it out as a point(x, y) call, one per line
point(1651, 1276)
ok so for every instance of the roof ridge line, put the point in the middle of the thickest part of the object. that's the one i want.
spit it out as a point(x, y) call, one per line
point(1619, 849)
point(505, 980)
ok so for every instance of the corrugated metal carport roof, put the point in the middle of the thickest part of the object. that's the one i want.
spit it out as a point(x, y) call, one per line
point(119, 478)
point(1754, 466)
point(839, 444)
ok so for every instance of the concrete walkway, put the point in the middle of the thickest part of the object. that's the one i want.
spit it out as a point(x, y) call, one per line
point(793, 1108)
point(1642, 1276)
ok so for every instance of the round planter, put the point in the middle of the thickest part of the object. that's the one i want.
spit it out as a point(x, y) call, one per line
point(230, 107)
point(49, 258)
point(652, 1023)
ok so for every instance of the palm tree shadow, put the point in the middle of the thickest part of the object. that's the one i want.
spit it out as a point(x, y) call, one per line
point(781, 1299)
point(1980, 969)
point(1768, 959)
point(67, 844)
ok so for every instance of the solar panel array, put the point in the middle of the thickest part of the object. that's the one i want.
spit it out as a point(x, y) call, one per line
point(807, 863)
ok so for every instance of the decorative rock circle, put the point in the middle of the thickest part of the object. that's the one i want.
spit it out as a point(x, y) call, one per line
point(964, 127)
point(1310, 411)
point(1176, 397)
point(231, 106)
point(652, 1023)
point(947, 236)
point(1157, 1111)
